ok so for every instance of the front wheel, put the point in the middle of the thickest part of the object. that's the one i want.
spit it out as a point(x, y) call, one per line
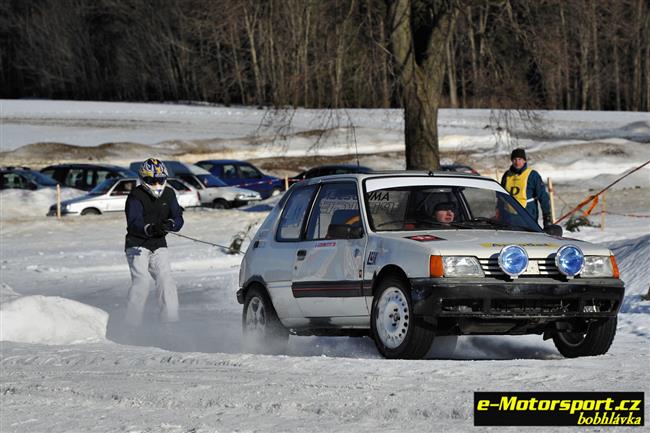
point(261, 328)
point(220, 204)
point(394, 327)
point(596, 341)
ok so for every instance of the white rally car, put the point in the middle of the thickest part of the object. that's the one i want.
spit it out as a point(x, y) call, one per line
point(410, 257)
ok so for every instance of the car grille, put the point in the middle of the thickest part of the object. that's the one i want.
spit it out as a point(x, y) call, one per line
point(536, 267)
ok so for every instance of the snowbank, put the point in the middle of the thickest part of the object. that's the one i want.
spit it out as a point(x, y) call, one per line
point(49, 320)
point(21, 204)
point(633, 258)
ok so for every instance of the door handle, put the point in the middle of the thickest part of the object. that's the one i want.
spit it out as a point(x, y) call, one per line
point(301, 254)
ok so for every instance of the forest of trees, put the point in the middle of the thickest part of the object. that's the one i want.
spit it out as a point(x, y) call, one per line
point(555, 54)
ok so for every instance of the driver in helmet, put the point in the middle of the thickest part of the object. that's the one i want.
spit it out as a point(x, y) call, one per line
point(151, 212)
point(445, 212)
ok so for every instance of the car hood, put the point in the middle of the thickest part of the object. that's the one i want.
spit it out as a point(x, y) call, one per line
point(486, 243)
point(82, 199)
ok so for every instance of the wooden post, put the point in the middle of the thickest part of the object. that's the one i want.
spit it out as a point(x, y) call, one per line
point(58, 201)
point(603, 212)
point(551, 194)
point(286, 183)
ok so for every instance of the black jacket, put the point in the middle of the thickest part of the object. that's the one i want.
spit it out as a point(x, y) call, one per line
point(142, 210)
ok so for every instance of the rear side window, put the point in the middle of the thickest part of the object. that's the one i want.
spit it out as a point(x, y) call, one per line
point(229, 171)
point(294, 214)
point(337, 205)
point(249, 172)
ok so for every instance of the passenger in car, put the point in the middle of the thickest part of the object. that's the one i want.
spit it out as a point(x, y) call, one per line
point(445, 212)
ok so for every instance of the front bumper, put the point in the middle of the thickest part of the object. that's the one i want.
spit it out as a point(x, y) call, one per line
point(52, 212)
point(491, 298)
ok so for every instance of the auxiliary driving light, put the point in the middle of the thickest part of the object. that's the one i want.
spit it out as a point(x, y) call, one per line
point(513, 260)
point(569, 260)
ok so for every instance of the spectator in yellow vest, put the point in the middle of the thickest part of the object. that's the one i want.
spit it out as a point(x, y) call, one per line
point(527, 187)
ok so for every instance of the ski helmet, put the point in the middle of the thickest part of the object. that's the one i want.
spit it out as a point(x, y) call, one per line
point(153, 176)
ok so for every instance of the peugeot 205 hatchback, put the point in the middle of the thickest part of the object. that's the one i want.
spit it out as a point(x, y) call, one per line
point(409, 257)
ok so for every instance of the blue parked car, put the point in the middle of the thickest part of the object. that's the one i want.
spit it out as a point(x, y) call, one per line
point(244, 175)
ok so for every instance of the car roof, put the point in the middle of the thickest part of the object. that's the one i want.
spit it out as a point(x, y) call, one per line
point(225, 161)
point(400, 173)
point(85, 165)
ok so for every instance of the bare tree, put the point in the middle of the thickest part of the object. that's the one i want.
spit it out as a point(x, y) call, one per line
point(420, 32)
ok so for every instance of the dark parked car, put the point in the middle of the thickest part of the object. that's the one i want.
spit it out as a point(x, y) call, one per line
point(24, 178)
point(85, 176)
point(329, 169)
point(244, 175)
point(459, 168)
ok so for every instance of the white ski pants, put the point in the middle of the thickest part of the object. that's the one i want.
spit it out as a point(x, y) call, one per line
point(143, 262)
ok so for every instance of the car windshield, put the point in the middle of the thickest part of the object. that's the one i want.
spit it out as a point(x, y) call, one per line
point(209, 180)
point(435, 207)
point(103, 187)
point(39, 178)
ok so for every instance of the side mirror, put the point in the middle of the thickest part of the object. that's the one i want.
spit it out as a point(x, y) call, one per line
point(553, 230)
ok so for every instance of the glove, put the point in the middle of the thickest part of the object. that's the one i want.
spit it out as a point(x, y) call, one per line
point(168, 225)
point(157, 230)
point(547, 220)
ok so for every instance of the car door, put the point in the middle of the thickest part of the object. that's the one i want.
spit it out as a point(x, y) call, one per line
point(278, 269)
point(116, 199)
point(328, 267)
point(251, 178)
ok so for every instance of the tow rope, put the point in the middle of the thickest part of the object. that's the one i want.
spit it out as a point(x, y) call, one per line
point(233, 250)
point(594, 198)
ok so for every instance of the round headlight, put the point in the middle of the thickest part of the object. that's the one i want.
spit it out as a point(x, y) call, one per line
point(513, 260)
point(569, 260)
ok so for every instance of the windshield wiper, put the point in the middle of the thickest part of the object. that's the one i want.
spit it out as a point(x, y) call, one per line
point(499, 225)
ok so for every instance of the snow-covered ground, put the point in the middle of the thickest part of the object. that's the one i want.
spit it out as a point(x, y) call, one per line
point(69, 365)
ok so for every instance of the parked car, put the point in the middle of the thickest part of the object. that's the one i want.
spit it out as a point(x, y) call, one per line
point(370, 254)
point(328, 170)
point(85, 176)
point(24, 178)
point(459, 168)
point(244, 175)
point(213, 192)
point(110, 196)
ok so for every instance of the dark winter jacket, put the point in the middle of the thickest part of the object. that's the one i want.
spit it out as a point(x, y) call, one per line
point(143, 210)
point(535, 191)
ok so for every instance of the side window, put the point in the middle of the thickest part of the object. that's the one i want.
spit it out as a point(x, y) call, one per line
point(12, 180)
point(249, 172)
point(76, 178)
point(294, 214)
point(50, 172)
point(191, 180)
point(123, 187)
point(178, 185)
point(102, 175)
point(336, 209)
point(229, 171)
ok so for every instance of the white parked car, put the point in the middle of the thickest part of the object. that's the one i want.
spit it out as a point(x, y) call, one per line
point(110, 196)
point(213, 191)
point(410, 257)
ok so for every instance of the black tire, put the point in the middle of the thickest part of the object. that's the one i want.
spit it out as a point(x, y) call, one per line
point(596, 341)
point(394, 328)
point(220, 204)
point(90, 211)
point(261, 329)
